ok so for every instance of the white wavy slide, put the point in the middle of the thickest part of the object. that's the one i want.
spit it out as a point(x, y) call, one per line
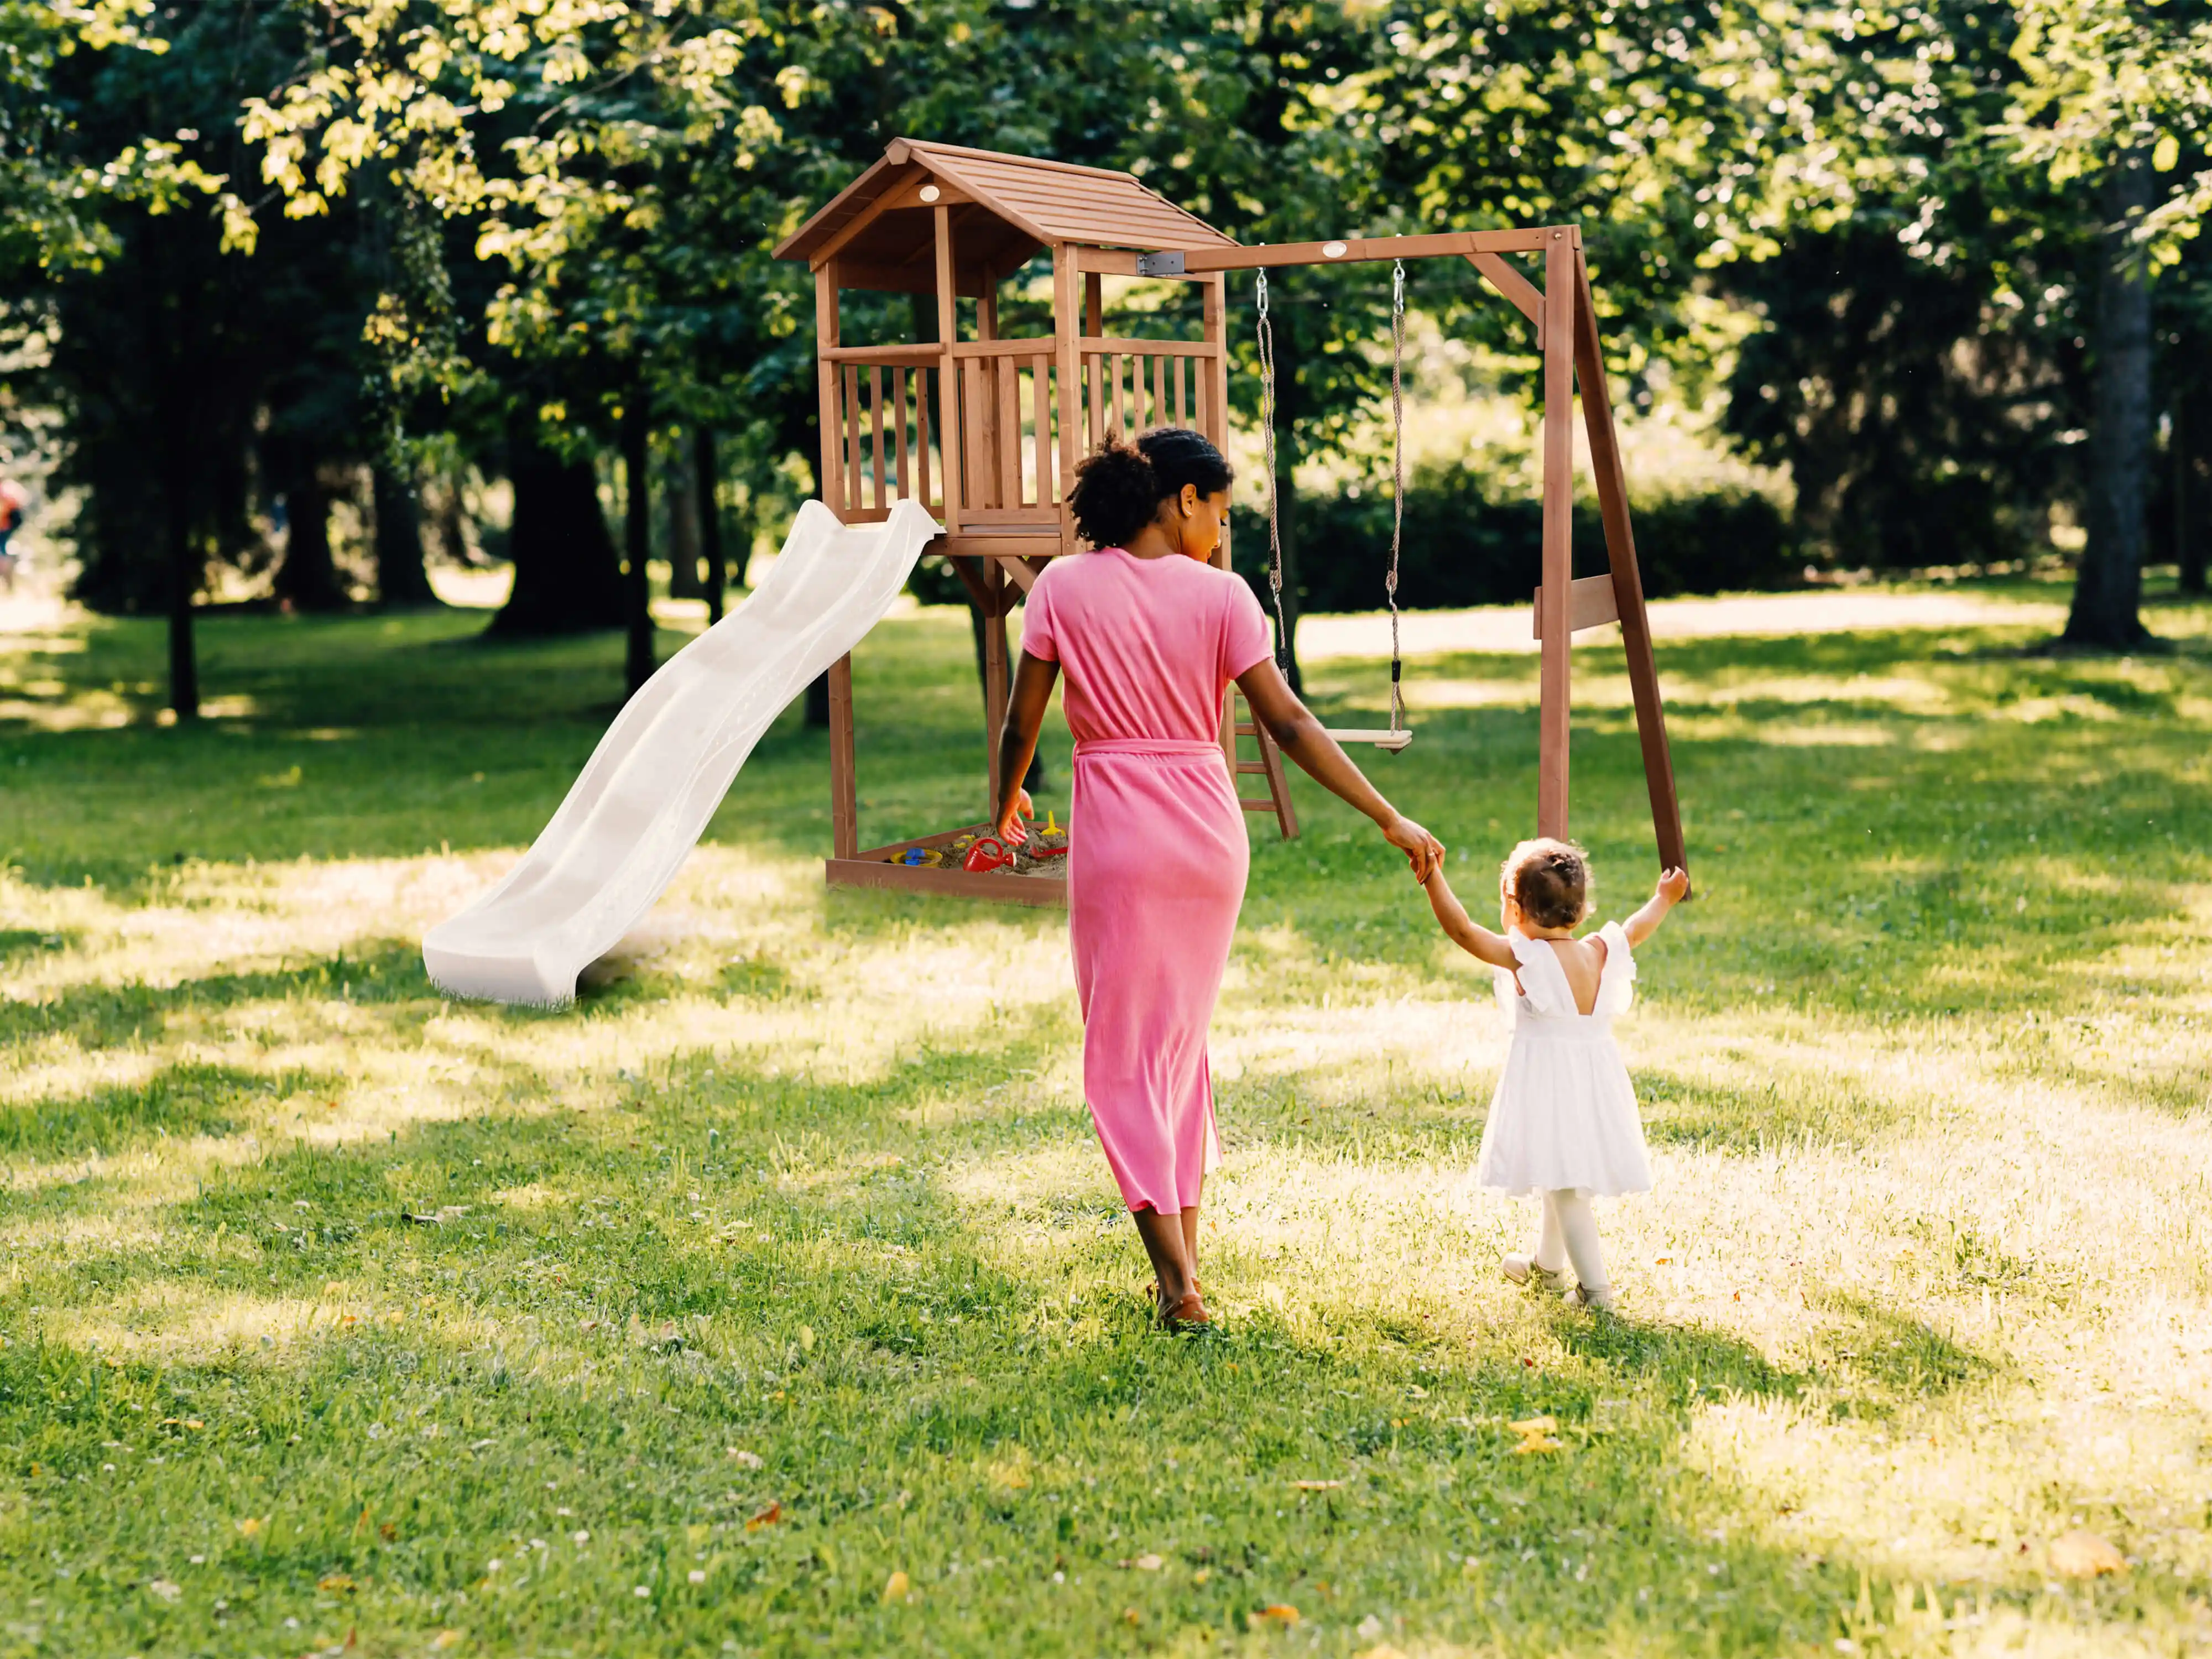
point(644, 797)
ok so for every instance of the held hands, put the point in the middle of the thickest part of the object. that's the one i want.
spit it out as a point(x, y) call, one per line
point(1423, 851)
point(1016, 808)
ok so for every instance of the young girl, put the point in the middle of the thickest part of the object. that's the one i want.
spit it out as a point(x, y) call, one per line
point(1564, 1123)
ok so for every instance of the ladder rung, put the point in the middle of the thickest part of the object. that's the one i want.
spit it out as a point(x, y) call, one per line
point(1245, 730)
point(1261, 804)
point(1251, 766)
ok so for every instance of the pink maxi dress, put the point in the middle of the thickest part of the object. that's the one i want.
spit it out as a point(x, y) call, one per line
point(1157, 853)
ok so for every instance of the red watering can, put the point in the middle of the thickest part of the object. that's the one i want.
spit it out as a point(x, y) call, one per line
point(987, 854)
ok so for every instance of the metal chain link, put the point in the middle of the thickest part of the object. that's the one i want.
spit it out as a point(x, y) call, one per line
point(1267, 427)
point(1397, 478)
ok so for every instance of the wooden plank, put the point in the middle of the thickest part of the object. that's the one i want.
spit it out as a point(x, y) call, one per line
point(1012, 540)
point(942, 838)
point(1018, 569)
point(1092, 343)
point(1008, 374)
point(921, 438)
point(855, 484)
point(1048, 892)
point(948, 374)
point(1159, 391)
point(1068, 380)
point(971, 572)
point(1027, 345)
point(1175, 377)
point(1361, 249)
point(876, 416)
point(994, 674)
point(1591, 602)
point(1553, 721)
point(1380, 737)
point(844, 799)
point(1627, 580)
point(1121, 428)
point(1217, 370)
point(909, 354)
point(902, 456)
point(1279, 783)
point(1525, 295)
point(1040, 419)
point(825, 331)
point(909, 195)
point(1003, 520)
point(1094, 303)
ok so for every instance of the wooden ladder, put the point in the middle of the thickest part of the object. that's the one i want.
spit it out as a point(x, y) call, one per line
point(1237, 723)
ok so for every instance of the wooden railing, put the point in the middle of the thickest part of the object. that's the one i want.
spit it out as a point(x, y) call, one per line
point(1131, 384)
point(889, 403)
point(1009, 438)
point(885, 402)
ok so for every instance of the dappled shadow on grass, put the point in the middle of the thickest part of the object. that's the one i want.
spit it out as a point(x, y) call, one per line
point(187, 1098)
point(94, 1015)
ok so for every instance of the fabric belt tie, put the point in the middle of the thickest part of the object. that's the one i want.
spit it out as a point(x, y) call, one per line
point(1176, 747)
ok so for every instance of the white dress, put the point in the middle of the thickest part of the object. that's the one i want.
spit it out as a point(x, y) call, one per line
point(1565, 1114)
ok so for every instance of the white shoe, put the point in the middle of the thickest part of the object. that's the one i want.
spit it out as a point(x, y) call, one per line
point(1583, 1297)
point(1522, 1268)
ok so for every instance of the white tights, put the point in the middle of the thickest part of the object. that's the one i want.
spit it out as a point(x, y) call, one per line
point(1569, 1234)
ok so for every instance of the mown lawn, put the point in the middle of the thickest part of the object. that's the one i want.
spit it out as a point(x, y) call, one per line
point(775, 1299)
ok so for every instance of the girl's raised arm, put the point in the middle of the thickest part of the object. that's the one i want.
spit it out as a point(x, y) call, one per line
point(1672, 885)
point(1470, 935)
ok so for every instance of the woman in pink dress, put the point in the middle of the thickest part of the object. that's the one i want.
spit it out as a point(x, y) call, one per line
point(1149, 634)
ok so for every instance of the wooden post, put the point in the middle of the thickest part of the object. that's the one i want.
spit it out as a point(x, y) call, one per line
point(1216, 396)
point(1066, 326)
point(1558, 533)
point(844, 800)
point(948, 374)
point(1627, 579)
point(832, 477)
point(995, 669)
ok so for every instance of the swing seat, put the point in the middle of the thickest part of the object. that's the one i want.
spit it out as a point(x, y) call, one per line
point(1380, 737)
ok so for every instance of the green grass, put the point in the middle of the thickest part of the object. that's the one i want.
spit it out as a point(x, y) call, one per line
point(678, 1322)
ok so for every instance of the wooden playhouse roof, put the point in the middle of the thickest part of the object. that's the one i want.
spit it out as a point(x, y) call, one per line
point(1014, 206)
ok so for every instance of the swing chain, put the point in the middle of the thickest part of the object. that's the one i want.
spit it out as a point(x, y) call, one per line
point(1266, 342)
point(1397, 478)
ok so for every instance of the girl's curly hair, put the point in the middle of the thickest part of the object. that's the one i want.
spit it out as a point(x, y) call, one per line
point(1550, 880)
point(1118, 487)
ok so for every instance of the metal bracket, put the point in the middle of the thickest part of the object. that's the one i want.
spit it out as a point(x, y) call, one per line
point(1160, 264)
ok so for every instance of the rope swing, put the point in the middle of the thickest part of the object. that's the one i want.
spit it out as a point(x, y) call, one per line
point(1397, 736)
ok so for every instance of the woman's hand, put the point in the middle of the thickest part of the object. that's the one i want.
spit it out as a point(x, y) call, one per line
point(1016, 808)
point(1423, 850)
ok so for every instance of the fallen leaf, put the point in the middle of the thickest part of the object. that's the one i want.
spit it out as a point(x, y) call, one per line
point(388, 1532)
point(1201, 1575)
point(164, 1589)
point(1315, 1485)
point(1146, 1562)
point(1531, 1426)
point(1128, 1615)
point(1275, 1613)
point(335, 1582)
point(897, 1587)
point(1535, 1443)
point(2084, 1555)
point(446, 1639)
point(746, 1460)
point(767, 1518)
point(806, 1338)
point(251, 1527)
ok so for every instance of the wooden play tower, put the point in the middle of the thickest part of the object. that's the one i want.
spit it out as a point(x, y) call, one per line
point(985, 431)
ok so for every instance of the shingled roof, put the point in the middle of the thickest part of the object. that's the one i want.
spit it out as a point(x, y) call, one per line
point(1034, 204)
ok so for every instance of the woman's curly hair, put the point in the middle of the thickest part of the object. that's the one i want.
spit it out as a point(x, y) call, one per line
point(1550, 880)
point(1118, 487)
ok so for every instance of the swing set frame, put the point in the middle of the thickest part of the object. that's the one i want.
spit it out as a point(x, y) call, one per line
point(1000, 423)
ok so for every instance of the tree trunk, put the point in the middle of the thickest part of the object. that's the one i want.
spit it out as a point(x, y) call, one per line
point(567, 578)
point(308, 578)
point(185, 573)
point(707, 477)
point(1286, 501)
point(2108, 592)
point(637, 537)
point(680, 491)
point(2189, 537)
point(401, 579)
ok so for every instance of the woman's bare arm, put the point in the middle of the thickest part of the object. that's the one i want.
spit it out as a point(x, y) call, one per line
point(1470, 935)
point(1034, 678)
point(1299, 735)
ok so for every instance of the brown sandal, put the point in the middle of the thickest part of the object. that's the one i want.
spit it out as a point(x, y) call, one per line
point(1189, 1314)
